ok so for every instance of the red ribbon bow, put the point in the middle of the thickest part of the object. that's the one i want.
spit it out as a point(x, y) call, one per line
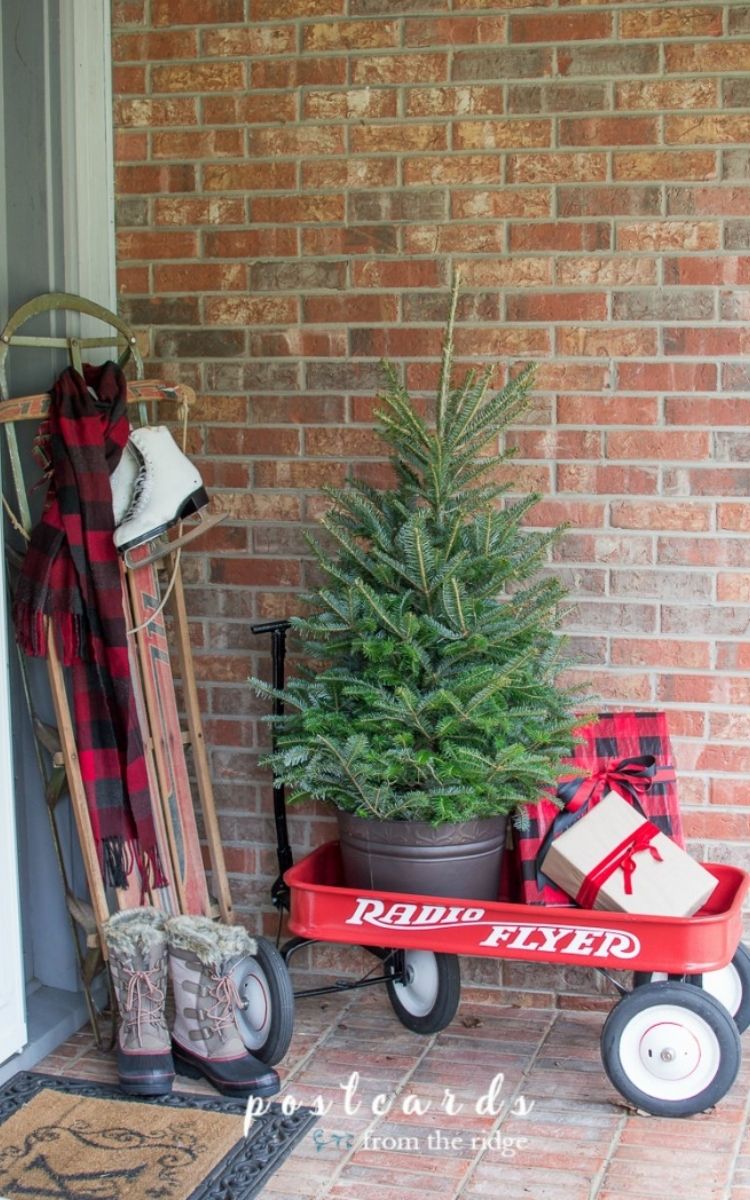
point(621, 857)
point(626, 778)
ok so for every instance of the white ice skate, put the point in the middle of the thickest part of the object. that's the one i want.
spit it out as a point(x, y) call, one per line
point(167, 487)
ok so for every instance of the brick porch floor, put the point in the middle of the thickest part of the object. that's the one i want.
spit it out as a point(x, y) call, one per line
point(575, 1141)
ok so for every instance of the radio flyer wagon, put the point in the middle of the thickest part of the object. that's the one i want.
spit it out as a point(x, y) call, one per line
point(670, 1046)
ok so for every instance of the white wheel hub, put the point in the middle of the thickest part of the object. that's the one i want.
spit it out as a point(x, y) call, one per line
point(669, 1052)
point(254, 1015)
point(419, 993)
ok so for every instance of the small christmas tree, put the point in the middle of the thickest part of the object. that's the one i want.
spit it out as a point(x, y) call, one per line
point(436, 698)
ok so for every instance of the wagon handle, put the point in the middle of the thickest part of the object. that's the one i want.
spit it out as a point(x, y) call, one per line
point(277, 630)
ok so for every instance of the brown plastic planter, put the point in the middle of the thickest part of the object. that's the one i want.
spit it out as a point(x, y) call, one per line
point(413, 856)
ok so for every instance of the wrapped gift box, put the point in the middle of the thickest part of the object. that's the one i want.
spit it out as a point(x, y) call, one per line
point(606, 743)
point(613, 858)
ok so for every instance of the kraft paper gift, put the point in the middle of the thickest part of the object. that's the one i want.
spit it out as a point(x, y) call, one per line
point(615, 859)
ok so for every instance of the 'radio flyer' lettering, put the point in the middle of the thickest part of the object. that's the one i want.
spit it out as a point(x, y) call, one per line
point(521, 937)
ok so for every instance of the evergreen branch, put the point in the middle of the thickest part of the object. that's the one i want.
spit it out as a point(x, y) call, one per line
point(477, 395)
point(447, 359)
point(453, 584)
point(352, 778)
point(377, 608)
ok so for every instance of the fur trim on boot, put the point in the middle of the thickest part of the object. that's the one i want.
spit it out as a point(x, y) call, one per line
point(211, 943)
point(138, 930)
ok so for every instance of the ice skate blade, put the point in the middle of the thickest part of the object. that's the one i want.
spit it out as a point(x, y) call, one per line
point(194, 504)
point(163, 547)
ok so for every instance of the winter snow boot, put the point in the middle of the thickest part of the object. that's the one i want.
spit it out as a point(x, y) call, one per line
point(205, 1038)
point(137, 945)
point(167, 487)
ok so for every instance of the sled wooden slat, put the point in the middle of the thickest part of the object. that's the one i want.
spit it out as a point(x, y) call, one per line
point(165, 898)
point(197, 742)
point(36, 407)
point(75, 786)
point(163, 722)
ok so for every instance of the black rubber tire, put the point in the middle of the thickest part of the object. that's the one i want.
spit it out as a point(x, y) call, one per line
point(430, 1012)
point(265, 975)
point(741, 964)
point(693, 1001)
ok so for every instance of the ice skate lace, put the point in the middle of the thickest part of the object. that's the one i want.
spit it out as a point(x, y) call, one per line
point(144, 1001)
point(140, 492)
point(221, 1014)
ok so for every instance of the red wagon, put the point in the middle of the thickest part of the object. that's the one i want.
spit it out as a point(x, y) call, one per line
point(670, 1045)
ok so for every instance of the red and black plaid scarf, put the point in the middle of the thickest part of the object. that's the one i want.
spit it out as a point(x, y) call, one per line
point(71, 577)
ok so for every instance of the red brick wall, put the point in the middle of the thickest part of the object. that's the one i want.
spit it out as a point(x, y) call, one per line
point(294, 193)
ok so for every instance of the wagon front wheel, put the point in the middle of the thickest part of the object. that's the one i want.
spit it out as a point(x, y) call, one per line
point(730, 985)
point(670, 1049)
point(265, 1016)
point(425, 997)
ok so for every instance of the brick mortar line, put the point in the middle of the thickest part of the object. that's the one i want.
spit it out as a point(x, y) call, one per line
point(645, 427)
point(468, 223)
point(598, 1181)
point(636, 219)
point(549, 116)
point(680, 77)
point(507, 1110)
point(477, 257)
point(412, 49)
point(416, 152)
point(612, 109)
point(376, 1120)
point(421, 152)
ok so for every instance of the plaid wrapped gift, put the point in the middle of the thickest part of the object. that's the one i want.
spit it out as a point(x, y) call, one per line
point(628, 753)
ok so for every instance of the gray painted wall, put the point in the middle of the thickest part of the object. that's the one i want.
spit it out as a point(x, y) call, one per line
point(31, 262)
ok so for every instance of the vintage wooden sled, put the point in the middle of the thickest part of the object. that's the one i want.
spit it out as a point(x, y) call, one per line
point(175, 800)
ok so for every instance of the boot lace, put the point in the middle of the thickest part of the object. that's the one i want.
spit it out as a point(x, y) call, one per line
point(144, 1000)
point(221, 1014)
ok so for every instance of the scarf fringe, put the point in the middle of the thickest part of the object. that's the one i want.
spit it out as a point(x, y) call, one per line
point(32, 633)
point(118, 861)
point(121, 855)
point(151, 868)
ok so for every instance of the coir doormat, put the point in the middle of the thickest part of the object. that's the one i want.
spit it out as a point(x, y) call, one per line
point(69, 1139)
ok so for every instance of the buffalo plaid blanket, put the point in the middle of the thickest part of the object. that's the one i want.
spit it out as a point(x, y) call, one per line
point(71, 581)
